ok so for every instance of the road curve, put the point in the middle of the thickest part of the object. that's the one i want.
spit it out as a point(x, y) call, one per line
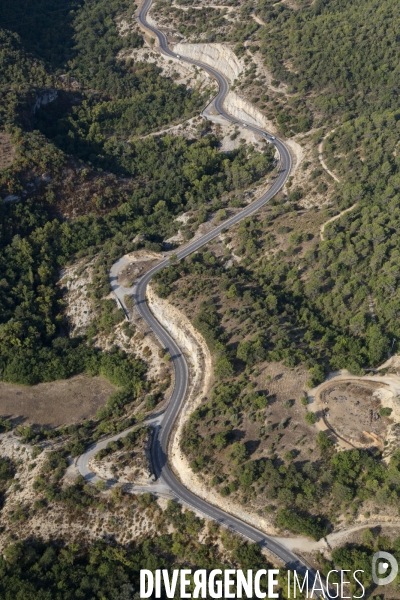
point(162, 433)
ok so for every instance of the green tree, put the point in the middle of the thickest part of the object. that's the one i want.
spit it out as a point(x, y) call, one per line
point(238, 453)
point(311, 418)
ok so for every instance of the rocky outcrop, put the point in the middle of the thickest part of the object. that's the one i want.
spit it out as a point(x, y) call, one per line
point(225, 60)
point(243, 110)
point(45, 97)
point(216, 55)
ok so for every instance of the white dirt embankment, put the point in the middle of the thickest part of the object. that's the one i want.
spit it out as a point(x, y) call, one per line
point(241, 109)
point(218, 56)
point(388, 394)
point(223, 59)
point(297, 153)
point(200, 364)
point(193, 346)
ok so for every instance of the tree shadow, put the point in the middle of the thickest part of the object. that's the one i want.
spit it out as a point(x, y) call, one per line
point(45, 27)
point(251, 446)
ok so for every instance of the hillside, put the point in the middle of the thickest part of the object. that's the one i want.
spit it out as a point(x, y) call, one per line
point(105, 155)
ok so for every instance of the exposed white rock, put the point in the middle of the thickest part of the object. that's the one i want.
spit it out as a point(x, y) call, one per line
point(243, 110)
point(216, 55)
point(223, 59)
point(45, 97)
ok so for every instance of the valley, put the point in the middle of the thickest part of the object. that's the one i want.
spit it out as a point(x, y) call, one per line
point(198, 290)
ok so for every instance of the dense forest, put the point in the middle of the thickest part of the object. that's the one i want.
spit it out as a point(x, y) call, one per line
point(344, 58)
point(81, 156)
point(42, 570)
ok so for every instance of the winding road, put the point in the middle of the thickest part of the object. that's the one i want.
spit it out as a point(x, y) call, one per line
point(165, 425)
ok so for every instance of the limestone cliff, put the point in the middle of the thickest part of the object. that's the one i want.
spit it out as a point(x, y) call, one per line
point(243, 110)
point(216, 55)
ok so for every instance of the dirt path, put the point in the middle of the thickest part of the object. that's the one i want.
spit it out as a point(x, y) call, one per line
point(218, 6)
point(332, 540)
point(322, 229)
point(321, 158)
point(257, 19)
point(172, 129)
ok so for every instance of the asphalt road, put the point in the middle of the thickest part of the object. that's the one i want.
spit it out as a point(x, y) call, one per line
point(164, 428)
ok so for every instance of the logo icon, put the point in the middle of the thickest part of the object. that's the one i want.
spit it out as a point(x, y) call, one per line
point(380, 564)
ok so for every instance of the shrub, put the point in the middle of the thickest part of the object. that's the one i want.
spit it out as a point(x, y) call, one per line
point(385, 411)
point(311, 418)
point(307, 525)
point(238, 453)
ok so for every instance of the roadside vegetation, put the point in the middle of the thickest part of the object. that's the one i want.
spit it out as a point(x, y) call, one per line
point(359, 555)
point(273, 292)
point(84, 179)
point(84, 182)
point(240, 440)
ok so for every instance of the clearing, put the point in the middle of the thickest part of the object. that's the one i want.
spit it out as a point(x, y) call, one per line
point(55, 403)
point(349, 406)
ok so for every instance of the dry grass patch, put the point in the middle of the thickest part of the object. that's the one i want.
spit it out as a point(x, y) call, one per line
point(55, 403)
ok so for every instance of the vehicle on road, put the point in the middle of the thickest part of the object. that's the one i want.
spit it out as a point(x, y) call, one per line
point(178, 56)
point(244, 124)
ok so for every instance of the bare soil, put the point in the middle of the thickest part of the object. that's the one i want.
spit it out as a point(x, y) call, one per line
point(81, 311)
point(126, 466)
point(121, 522)
point(55, 403)
point(128, 275)
point(285, 389)
point(352, 409)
